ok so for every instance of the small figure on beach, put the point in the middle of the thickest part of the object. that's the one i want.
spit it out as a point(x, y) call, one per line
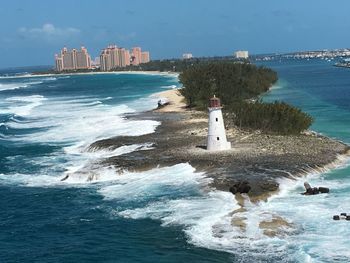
point(162, 104)
point(314, 190)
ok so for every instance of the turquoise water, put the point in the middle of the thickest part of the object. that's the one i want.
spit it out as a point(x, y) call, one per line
point(319, 89)
point(324, 92)
point(162, 215)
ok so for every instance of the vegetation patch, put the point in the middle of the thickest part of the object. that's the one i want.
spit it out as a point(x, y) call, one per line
point(239, 85)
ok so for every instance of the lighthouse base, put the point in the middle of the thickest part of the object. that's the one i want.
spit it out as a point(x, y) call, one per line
point(214, 145)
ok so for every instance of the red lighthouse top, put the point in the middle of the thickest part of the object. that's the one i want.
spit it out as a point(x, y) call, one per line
point(214, 102)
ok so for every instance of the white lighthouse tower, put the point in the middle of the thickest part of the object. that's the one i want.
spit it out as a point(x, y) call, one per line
point(216, 132)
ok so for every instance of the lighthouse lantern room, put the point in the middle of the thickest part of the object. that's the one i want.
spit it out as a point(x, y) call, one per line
point(216, 131)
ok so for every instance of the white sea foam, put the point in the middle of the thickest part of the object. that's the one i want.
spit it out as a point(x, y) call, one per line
point(170, 87)
point(75, 124)
point(314, 236)
point(12, 86)
point(205, 215)
point(75, 121)
point(82, 167)
point(131, 186)
point(25, 83)
point(206, 219)
point(24, 105)
point(28, 179)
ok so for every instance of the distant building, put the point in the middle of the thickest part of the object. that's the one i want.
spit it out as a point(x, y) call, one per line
point(114, 57)
point(96, 61)
point(127, 57)
point(83, 59)
point(145, 57)
point(136, 56)
point(73, 59)
point(241, 54)
point(187, 56)
point(105, 60)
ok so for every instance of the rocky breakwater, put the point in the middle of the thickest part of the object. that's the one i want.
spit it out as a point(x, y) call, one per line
point(259, 159)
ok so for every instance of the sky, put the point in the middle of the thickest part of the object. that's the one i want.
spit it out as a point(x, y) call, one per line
point(31, 32)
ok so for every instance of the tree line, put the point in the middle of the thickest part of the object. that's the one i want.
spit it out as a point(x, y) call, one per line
point(239, 85)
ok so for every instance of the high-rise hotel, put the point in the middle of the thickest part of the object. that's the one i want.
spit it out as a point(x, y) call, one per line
point(114, 57)
point(73, 59)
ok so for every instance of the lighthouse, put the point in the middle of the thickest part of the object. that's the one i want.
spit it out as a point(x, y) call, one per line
point(216, 131)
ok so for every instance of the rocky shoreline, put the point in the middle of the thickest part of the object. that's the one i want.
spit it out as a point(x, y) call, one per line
point(257, 158)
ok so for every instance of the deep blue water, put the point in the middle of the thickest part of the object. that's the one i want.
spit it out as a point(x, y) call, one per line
point(162, 215)
point(40, 222)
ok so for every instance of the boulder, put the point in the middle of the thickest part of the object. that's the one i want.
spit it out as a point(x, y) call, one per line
point(314, 190)
point(323, 190)
point(241, 187)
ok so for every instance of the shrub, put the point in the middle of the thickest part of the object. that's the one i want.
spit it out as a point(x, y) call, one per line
point(277, 117)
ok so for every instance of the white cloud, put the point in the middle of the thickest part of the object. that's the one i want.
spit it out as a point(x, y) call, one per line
point(48, 32)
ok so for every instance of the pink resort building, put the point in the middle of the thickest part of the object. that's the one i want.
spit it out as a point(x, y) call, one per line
point(114, 57)
point(72, 59)
point(145, 58)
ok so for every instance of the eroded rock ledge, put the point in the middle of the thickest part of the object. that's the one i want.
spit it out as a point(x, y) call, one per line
point(257, 158)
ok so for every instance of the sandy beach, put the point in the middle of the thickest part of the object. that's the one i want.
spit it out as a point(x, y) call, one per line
point(174, 99)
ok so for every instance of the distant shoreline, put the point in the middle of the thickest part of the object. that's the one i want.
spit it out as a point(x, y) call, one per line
point(92, 73)
point(342, 65)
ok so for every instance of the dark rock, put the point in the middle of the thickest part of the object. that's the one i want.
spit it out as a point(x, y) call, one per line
point(324, 190)
point(307, 187)
point(240, 187)
point(314, 190)
point(336, 217)
point(233, 189)
point(343, 214)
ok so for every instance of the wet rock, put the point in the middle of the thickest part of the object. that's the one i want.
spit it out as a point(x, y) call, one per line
point(240, 187)
point(314, 190)
point(255, 157)
point(323, 190)
point(275, 227)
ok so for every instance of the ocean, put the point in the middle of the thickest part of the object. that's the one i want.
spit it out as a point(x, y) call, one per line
point(161, 215)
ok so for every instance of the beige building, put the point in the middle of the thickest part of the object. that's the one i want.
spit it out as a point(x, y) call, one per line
point(187, 56)
point(145, 57)
point(105, 60)
point(83, 59)
point(114, 57)
point(136, 57)
point(241, 54)
point(73, 59)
